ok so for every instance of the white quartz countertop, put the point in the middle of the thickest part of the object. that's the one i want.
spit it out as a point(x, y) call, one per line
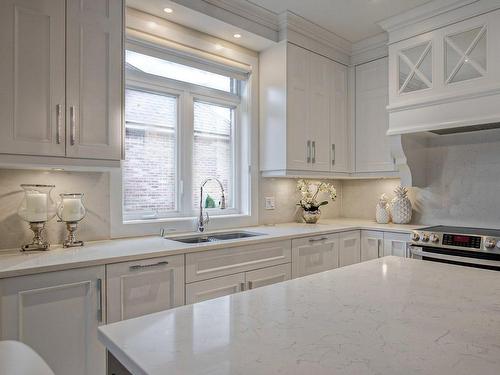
point(15, 263)
point(386, 316)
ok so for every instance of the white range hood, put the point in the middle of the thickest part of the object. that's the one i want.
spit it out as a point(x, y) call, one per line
point(444, 73)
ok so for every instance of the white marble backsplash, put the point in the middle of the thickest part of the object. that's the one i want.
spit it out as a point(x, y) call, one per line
point(463, 188)
point(95, 185)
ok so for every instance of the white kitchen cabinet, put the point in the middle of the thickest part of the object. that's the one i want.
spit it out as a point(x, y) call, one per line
point(303, 114)
point(214, 263)
point(57, 314)
point(396, 244)
point(373, 153)
point(314, 254)
point(267, 276)
point(446, 78)
point(143, 287)
point(349, 248)
point(340, 138)
point(32, 86)
point(226, 285)
point(61, 78)
point(319, 104)
point(214, 288)
point(94, 79)
point(372, 245)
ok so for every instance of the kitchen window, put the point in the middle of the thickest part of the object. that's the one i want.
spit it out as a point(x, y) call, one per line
point(181, 127)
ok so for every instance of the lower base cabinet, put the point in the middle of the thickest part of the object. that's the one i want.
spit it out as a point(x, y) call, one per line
point(144, 287)
point(226, 285)
point(314, 254)
point(396, 244)
point(57, 314)
point(372, 245)
point(349, 248)
point(376, 244)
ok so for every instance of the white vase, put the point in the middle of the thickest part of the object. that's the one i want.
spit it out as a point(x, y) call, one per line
point(401, 208)
point(382, 215)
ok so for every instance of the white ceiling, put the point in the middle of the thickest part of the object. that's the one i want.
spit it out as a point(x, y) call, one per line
point(353, 20)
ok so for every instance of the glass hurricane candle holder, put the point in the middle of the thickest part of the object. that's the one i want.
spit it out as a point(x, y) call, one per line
point(37, 207)
point(71, 210)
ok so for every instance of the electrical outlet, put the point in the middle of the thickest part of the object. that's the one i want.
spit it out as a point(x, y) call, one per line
point(270, 203)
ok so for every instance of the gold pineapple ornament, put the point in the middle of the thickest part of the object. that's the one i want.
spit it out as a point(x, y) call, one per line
point(401, 209)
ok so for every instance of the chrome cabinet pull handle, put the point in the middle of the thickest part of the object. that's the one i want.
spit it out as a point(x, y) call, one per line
point(333, 154)
point(58, 123)
point(379, 242)
point(142, 266)
point(308, 156)
point(314, 152)
point(242, 286)
point(99, 300)
point(317, 239)
point(250, 285)
point(72, 119)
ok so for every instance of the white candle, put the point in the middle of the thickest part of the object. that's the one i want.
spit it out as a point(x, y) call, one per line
point(72, 209)
point(36, 206)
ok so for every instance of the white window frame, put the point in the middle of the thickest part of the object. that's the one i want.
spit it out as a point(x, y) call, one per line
point(245, 191)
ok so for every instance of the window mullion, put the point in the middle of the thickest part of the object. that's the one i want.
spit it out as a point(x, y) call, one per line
point(186, 152)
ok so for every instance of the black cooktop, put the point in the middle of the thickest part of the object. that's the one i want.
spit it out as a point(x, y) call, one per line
point(464, 230)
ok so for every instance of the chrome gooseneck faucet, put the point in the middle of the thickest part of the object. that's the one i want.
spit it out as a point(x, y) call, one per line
point(203, 220)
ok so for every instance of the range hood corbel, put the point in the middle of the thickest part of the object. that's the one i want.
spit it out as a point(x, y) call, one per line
point(409, 157)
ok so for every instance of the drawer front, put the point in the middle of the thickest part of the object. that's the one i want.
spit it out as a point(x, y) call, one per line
point(143, 287)
point(268, 276)
point(214, 263)
point(214, 288)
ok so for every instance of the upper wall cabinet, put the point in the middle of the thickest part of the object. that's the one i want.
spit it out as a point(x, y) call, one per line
point(373, 151)
point(303, 113)
point(61, 78)
point(446, 78)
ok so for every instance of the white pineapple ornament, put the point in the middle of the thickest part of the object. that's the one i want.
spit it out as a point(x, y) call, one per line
point(401, 209)
point(382, 214)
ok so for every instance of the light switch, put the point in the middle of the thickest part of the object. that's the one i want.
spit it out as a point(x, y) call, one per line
point(270, 203)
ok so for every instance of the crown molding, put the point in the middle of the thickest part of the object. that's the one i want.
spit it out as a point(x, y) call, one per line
point(239, 13)
point(370, 49)
point(250, 11)
point(293, 22)
point(434, 15)
point(309, 35)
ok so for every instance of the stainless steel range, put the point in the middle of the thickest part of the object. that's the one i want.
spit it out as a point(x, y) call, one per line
point(473, 247)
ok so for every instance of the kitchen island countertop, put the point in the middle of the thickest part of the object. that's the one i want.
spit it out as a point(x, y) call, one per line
point(386, 316)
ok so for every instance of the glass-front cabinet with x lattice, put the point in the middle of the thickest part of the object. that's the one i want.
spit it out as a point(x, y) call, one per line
point(458, 60)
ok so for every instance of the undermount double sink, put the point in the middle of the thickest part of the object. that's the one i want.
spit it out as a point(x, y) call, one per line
point(214, 237)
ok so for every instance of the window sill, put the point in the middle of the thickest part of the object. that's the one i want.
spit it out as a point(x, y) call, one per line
point(132, 228)
point(175, 219)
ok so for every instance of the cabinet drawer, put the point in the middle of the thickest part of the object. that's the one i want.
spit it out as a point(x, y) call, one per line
point(268, 276)
point(213, 263)
point(214, 288)
point(145, 286)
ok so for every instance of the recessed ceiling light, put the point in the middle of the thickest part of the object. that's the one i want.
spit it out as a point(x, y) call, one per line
point(237, 36)
point(168, 10)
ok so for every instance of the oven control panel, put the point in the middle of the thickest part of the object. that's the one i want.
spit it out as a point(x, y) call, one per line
point(460, 240)
point(456, 241)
